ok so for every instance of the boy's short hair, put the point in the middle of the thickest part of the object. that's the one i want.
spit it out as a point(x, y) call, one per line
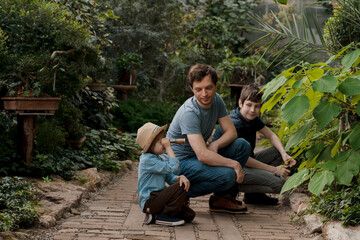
point(199, 71)
point(252, 93)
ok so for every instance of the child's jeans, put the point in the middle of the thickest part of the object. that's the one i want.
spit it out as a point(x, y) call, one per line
point(172, 201)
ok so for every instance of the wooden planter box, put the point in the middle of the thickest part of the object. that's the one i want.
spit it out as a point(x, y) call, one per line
point(96, 87)
point(31, 104)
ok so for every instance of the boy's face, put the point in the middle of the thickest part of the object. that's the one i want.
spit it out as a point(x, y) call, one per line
point(157, 148)
point(250, 110)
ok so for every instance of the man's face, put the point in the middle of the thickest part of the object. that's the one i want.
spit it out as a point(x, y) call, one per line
point(204, 91)
point(250, 110)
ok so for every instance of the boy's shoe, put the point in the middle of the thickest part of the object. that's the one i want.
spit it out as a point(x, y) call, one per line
point(259, 198)
point(226, 204)
point(148, 219)
point(164, 219)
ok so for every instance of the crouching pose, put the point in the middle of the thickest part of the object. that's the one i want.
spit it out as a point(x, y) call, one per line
point(161, 205)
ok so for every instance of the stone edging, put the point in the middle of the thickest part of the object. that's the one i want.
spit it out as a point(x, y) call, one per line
point(332, 230)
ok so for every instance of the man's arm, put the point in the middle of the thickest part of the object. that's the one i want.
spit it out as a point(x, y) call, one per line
point(228, 136)
point(275, 141)
point(212, 158)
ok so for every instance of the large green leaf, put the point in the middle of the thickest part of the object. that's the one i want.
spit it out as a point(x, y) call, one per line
point(273, 85)
point(346, 171)
point(350, 86)
point(350, 58)
point(329, 165)
point(299, 135)
point(319, 180)
point(294, 109)
point(326, 84)
point(342, 156)
point(324, 112)
point(354, 137)
point(295, 180)
point(325, 155)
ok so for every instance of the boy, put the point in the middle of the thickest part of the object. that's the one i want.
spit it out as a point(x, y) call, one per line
point(263, 171)
point(162, 205)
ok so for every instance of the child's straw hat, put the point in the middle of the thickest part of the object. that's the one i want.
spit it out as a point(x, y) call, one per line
point(147, 133)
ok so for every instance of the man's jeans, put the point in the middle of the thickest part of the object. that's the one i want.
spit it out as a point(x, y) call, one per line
point(261, 181)
point(205, 179)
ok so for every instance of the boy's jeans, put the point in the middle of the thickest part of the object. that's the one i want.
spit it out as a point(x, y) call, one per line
point(261, 181)
point(205, 179)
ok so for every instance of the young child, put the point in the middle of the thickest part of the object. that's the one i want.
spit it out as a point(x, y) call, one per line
point(264, 172)
point(161, 205)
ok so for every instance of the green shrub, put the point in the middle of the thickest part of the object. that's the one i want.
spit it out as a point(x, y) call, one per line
point(132, 114)
point(339, 204)
point(34, 30)
point(16, 206)
point(49, 136)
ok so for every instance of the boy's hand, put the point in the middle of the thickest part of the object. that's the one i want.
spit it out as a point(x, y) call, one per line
point(289, 161)
point(184, 181)
point(282, 171)
point(165, 142)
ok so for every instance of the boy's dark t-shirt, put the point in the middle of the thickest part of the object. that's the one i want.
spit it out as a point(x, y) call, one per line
point(246, 130)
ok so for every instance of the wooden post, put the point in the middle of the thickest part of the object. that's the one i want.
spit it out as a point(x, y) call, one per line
point(26, 132)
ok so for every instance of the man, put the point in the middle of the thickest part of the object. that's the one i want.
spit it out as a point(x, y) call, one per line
point(216, 168)
point(263, 171)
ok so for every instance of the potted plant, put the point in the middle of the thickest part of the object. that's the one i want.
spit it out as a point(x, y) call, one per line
point(127, 65)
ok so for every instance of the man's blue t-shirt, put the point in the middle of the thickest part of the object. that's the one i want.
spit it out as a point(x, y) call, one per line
point(244, 129)
point(191, 118)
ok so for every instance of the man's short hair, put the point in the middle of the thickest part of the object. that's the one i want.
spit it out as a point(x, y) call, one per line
point(199, 71)
point(252, 93)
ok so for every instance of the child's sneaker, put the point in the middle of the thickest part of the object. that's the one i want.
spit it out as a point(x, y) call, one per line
point(148, 219)
point(163, 219)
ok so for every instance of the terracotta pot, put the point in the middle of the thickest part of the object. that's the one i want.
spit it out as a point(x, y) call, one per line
point(31, 104)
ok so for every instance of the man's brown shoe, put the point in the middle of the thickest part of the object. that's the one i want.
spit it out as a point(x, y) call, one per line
point(226, 204)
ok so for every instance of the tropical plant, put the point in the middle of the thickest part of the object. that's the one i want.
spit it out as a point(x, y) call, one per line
point(340, 30)
point(329, 95)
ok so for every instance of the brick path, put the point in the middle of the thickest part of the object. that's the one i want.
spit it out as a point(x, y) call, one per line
point(115, 214)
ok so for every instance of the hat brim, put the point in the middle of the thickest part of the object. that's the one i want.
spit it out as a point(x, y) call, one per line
point(153, 136)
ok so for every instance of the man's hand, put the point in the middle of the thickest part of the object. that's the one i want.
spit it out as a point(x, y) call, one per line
point(239, 172)
point(184, 181)
point(282, 171)
point(289, 161)
point(213, 147)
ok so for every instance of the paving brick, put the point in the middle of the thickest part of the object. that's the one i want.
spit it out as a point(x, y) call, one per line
point(115, 214)
point(208, 235)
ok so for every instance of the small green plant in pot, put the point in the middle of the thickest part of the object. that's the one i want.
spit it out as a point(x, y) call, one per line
point(127, 65)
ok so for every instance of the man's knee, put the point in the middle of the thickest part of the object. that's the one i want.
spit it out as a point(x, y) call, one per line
point(227, 179)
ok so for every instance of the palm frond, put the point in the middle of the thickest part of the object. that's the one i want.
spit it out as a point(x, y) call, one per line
point(287, 36)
